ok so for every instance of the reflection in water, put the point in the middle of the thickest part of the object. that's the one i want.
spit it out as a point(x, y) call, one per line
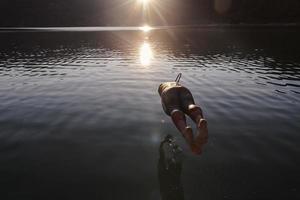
point(146, 54)
point(169, 170)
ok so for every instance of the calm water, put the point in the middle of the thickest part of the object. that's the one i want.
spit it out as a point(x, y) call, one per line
point(80, 116)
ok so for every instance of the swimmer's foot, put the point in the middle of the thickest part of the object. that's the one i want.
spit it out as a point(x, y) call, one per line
point(189, 137)
point(202, 136)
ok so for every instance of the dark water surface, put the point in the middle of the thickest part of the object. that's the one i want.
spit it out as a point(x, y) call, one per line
point(80, 116)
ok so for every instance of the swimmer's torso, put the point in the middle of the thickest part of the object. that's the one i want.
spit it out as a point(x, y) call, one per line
point(174, 97)
point(166, 86)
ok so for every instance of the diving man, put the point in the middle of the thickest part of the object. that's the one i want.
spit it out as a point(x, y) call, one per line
point(178, 101)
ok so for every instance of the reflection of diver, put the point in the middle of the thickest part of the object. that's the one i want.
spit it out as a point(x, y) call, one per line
point(177, 101)
point(169, 170)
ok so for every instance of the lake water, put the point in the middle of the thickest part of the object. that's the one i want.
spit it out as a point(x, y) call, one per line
point(80, 116)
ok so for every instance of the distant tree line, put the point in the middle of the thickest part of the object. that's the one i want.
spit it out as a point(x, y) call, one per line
point(159, 12)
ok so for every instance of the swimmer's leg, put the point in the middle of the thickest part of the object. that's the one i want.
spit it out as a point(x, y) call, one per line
point(178, 118)
point(195, 113)
point(188, 105)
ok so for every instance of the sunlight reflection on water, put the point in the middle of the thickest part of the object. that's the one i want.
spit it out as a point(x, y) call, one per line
point(146, 54)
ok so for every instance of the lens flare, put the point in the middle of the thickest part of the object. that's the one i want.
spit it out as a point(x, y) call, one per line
point(146, 54)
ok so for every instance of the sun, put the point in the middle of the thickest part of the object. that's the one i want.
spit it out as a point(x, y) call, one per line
point(146, 28)
point(144, 1)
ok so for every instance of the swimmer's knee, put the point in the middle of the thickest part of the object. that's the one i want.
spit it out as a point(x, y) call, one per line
point(176, 112)
point(177, 115)
point(194, 108)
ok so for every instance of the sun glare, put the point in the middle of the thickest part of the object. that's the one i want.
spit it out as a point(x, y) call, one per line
point(144, 1)
point(146, 28)
point(146, 54)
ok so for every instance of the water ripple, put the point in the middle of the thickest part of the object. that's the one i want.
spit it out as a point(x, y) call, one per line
point(91, 91)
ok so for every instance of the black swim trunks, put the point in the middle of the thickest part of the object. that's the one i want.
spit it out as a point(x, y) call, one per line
point(175, 96)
